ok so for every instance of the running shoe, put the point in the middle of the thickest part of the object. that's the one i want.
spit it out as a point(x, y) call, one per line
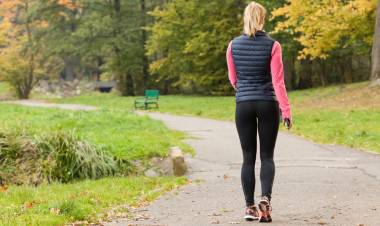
point(265, 210)
point(251, 213)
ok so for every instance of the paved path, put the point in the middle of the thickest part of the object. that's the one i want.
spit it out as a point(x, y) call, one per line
point(314, 185)
point(38, 103)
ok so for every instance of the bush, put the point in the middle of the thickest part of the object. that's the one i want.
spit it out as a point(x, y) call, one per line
point(61, 156)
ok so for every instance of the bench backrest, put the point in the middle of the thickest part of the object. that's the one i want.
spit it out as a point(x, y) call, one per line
point(151, 93)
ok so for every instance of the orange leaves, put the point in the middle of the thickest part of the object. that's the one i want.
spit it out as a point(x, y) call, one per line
point(3, 188)
point(70, 4)
point(9, 4)
point(8, 8)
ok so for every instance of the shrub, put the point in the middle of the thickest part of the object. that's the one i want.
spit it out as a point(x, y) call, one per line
point(61, 156)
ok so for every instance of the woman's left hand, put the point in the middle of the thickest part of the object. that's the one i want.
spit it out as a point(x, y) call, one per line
point(288, 123)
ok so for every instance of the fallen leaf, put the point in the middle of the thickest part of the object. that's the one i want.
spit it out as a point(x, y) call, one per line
point(29, 205)
point(3, 188)
point(215, 222)
point(55, 211)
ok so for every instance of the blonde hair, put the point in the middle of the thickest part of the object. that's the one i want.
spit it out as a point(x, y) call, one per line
point(254, 18)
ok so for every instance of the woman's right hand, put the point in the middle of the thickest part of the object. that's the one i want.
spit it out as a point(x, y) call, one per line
point(234, 86)
point(288, 123)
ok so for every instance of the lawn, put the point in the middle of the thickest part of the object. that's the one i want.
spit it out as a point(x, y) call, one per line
point(341, 114)
point(58, 204)
point(124, 134)
point(120, 132)
point(347, 115)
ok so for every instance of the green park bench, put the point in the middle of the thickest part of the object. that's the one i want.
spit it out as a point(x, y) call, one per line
point(151, 97)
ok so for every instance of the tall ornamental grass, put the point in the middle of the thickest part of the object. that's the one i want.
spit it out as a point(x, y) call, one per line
point(60, 156)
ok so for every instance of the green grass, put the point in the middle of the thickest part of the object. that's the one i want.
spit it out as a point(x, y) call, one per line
point(124, 134)
point(347, 115)
point(121, 132)
point(341, 114)
point(59, 204)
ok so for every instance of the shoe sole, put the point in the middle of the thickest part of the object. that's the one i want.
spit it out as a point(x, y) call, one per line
point(250, 218)
point(264, 213)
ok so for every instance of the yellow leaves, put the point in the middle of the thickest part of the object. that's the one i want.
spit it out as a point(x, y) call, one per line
point(157, 65)
point(12, 62)
point(4, 29)
point(322, 24)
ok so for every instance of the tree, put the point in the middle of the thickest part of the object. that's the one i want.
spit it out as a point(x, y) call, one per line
point(375, 76)
point(19, 54)
point(329, 24)
point(189, 40)
point(334, 33)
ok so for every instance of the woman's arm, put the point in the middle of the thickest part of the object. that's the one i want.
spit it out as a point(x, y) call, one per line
point(231, 67)
point(277, 70)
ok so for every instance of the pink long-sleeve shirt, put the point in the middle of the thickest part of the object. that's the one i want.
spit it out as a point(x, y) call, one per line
point(277, 70)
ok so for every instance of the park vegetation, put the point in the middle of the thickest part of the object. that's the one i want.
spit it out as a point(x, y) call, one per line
point(179, 46)
point(59, 166)
point(347, 114)
point(82, 162)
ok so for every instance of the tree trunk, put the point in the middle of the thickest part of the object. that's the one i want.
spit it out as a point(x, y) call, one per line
point(129, 84)
point(347, 69)
point(68, 72)
point(375, 75)
point(305, 80)
point(322, 72)
point(145, 65)
point(289, 72)
point(29, 79)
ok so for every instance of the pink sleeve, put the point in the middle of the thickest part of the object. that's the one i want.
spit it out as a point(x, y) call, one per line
point(231, 66)
point(277, 70)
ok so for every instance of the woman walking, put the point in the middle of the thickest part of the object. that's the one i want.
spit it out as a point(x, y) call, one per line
point(255, 71)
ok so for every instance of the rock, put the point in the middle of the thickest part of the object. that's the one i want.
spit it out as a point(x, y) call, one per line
point(63, 88)
point(164, 165)
point(151, 173)
point(178, 159)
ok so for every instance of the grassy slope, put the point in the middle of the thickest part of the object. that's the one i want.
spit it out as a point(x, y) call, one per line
point(347, 115)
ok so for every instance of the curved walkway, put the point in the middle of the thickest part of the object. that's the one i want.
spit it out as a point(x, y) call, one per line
point(314, 185)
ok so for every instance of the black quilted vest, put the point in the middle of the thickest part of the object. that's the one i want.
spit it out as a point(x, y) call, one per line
point(252, 56)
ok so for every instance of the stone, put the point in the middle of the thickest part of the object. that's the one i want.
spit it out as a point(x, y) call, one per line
point(178, 160)
point(151, 173)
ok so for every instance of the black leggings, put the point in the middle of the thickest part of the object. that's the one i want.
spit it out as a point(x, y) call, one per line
point(263, 116)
